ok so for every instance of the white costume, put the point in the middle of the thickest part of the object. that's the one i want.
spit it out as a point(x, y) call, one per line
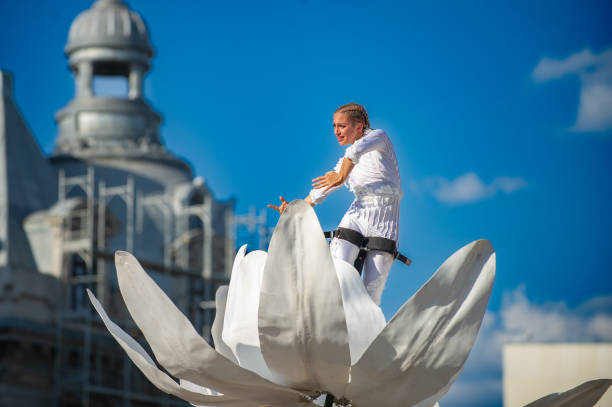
point(376, 183)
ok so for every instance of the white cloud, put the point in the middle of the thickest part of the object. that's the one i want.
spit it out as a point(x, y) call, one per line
point(549, 68)
point(595, 110)
point(600, 326)
point(518, 321)
point(553, 322)
point(468, 188)
point(595, 73)
point(508, 185)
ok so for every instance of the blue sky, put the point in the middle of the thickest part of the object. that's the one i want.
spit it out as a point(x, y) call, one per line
point(500, 113)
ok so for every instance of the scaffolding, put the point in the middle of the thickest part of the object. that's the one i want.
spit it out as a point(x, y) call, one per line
point(256, 226)
point(77, 243)
point(82, 344)
point(80, 339)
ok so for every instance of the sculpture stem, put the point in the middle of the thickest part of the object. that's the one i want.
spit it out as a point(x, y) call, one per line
point(329, 400)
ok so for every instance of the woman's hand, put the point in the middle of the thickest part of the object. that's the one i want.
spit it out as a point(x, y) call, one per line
point(281, 208)
point(333, 179)
point(329, 180)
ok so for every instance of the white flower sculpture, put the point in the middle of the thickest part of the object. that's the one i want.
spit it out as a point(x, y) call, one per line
point(294, 323)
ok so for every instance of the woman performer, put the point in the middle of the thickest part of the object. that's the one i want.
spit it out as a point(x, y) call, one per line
point(369, 169)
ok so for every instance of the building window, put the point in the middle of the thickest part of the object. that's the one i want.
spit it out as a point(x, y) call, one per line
point(110, 86)
point(110, 79)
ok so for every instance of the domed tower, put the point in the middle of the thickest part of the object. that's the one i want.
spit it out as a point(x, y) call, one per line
point(109, 44)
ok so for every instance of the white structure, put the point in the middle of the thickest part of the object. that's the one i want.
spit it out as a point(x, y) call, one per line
point(292, 326)
point(110, 184)
point(532, 371)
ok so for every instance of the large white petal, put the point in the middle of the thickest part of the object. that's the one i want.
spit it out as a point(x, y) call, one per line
point(240, 331)
point(217, 326)
point(198, 389)
point(180, 349)
point(364, 319)
point(424, 346)
point(584, 395)
point(239, 257)
point(220, 304)
point(302, 329)
point(147, 366)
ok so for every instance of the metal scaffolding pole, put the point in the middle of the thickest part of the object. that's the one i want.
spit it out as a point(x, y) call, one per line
point(161, 202)
point(90, 190)
point(230, 239)
point(256, 225)
point(87, 239)
point(207, 263)
point(105, 195)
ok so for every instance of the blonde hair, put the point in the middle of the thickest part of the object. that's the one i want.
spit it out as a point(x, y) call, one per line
point(355, 113)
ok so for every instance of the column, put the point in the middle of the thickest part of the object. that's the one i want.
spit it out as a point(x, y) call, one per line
point(84, 77)
point(136, 71)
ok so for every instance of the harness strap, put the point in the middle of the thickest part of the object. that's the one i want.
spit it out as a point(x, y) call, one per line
point(382, 244)
point(402, 258)
point(366, 244)
point(352, 236)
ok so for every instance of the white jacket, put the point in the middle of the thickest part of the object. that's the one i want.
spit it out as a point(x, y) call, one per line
point(375, 173)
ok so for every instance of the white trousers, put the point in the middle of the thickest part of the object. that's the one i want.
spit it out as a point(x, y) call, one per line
point(370, 216)
point(375, 268)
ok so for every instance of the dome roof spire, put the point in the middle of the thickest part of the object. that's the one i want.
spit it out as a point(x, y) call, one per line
point(109, 24)
point(109, 45)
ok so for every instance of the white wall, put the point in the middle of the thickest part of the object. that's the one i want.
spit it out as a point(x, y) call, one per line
point(532, 371)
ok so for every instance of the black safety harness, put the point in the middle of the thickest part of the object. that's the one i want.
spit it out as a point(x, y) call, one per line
point(367, 244)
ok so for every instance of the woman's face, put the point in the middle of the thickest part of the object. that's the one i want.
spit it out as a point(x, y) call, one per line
point(346, 132)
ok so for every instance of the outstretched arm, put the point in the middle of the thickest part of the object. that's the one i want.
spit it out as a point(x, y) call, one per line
point(333, 179)
point(328, 183)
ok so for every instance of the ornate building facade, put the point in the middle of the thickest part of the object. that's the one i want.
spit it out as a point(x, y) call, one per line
point(109, 185)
